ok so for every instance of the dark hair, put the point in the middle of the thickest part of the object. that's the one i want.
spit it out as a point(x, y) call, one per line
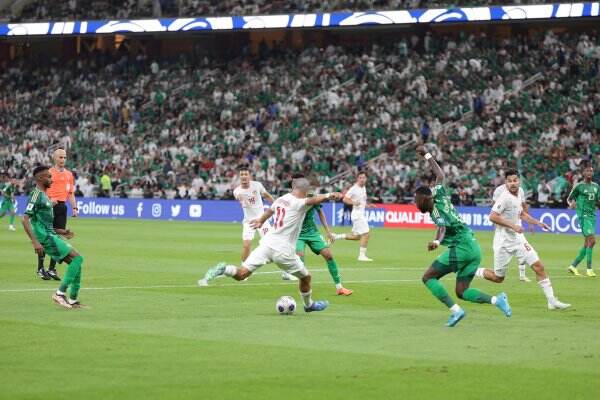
point(511, 172)
point(586, 165)
point(298, 176)
point(243, 167)
point(39, 169)
point(423, 190)
point(361, 173)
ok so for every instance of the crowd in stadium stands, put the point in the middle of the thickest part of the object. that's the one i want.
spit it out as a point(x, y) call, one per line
point(139, 127)
point(123, 9)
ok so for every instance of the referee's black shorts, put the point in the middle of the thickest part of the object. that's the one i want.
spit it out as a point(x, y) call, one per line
point(60, 215)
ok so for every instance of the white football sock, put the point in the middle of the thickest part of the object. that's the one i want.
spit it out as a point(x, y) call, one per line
point(58, 292)
point(338, 286)
point(522, 270)
point(547, 288)
point(455, 308)
point(230, 270)
point(480, 273)
point(306, 298)
point(339, 236)
point(362, 251)
point(493, 301)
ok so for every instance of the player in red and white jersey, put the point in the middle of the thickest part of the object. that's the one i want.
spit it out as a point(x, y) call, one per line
point(357, 198)
point(279, 244)
point(250, 195)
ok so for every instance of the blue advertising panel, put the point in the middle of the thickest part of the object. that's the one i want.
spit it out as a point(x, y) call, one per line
point(383, 215)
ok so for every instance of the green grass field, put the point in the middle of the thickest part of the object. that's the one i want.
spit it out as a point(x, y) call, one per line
point(152, 334)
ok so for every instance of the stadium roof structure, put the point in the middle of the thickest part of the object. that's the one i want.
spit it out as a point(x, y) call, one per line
point(322, 20)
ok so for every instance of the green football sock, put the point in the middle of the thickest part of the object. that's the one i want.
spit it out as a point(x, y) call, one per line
point(71, 274)
point(588, 252)
point(476, 296)
point(580, 256)
point(438, 290)
point(333, 271)
point(11, 219)
point(75, 286)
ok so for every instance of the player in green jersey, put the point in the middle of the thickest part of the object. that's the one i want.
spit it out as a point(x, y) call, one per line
point(310, 236)
point(585, 198)
point(463, 254)
point(8, 201)
point(38, 224)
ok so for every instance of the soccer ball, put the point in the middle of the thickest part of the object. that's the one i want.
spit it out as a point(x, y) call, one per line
point(286, 305)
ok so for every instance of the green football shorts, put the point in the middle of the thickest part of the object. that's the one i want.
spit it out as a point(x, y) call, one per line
point(588, 225)
point(56, 247)
point(463, 259)
point(314, 241)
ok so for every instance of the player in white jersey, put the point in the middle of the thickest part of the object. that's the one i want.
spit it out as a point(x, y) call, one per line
point(497, 192)
point(357, 198)
point(509, 240)
point(279, 244)
point(250, 195)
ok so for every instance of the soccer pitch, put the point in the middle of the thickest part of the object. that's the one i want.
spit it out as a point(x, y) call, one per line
point(152, 333)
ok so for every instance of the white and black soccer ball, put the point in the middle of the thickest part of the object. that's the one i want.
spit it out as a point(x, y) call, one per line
point(286, 305)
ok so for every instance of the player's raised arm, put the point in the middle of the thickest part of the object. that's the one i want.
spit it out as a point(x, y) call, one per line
point(320, 198)
point(437, 170)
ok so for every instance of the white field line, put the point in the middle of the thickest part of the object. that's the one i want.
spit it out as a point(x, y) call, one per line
point(238, 284)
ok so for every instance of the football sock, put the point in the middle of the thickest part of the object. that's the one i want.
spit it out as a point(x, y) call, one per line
point(333, 271)
point(230, 270)
point(52, 264)
point(306, 298)
point(480, 273)
point(11, 219)
point(438, 290)
point(339, 236)
point(547, 288)
point(73, 269)
point(522, 270)
point(588, 252)
point(580, 256)
point(41, 262)
point(362, 251)
point(455, 308)
point(76, 285)
point(476, 296)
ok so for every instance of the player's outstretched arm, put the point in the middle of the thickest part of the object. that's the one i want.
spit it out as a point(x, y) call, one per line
point(437, 170)
point(525, 216)
point(320, 198)
point(27, 228)
point(500, 220)
point(257, 223)
point(439, 236)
